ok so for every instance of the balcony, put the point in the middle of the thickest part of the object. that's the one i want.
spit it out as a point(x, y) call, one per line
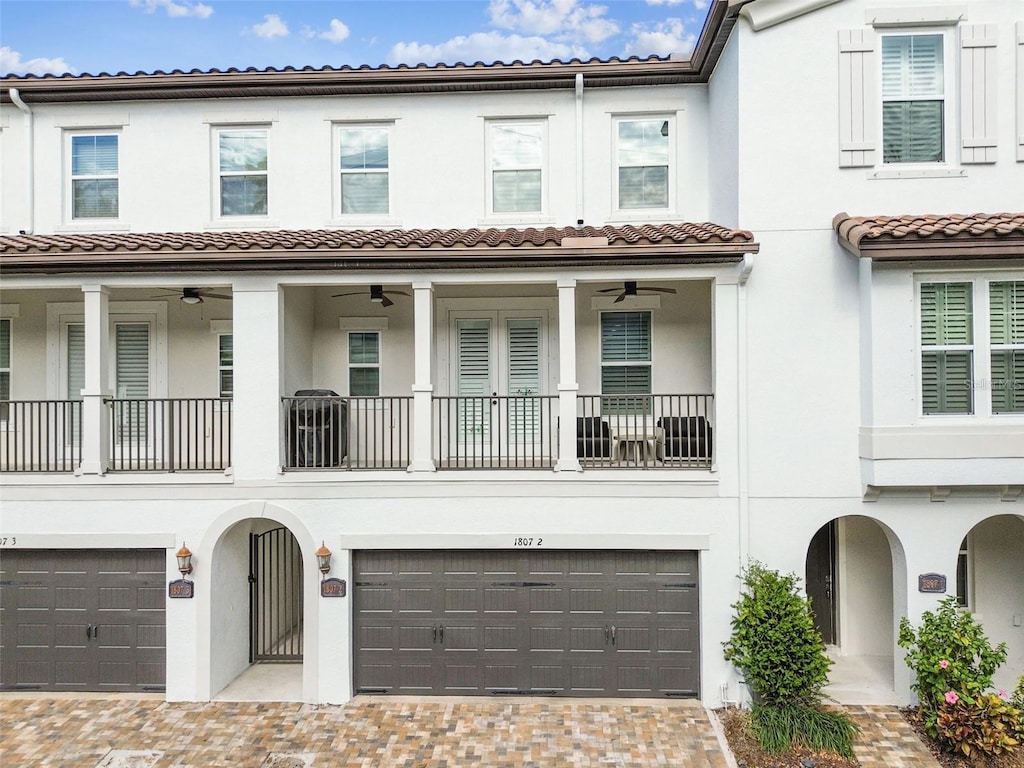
point(40, 435)
point(329, 432)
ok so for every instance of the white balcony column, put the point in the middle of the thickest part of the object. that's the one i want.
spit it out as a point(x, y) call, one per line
point(423, 385)
point(257, 326)
point(568, 387)
point(95, 412)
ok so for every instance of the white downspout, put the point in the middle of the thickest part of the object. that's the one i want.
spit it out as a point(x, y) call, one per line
point(579, 149)
point(30, 142)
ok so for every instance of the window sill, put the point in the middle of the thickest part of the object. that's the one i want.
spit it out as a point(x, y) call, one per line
point(105, 225)
point(243, 222)
point(908, 172)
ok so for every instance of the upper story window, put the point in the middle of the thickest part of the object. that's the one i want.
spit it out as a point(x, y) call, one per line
point(225, 365)
point(642, 160)
point(364, 363)
point(94, 175)
point(242, 171)
point(625, 361)
point(364, 161)
point(972, 347)
point(516, 166)
point(913, 98)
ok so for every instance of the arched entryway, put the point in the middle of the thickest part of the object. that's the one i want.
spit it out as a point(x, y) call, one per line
point(258, 632)
point(851, 566)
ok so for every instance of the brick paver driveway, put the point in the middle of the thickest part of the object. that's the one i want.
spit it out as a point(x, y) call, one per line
point(46, 732)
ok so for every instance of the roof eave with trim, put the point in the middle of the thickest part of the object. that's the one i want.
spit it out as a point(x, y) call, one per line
point(860, 236)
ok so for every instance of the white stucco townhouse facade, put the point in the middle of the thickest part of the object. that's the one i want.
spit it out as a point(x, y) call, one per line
point(535, 356)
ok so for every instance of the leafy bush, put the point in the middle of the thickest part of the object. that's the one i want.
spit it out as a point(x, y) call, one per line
point(986, 724)
point(948, 653)
point(1018, 694)
point(774, 642)
point(778, 729)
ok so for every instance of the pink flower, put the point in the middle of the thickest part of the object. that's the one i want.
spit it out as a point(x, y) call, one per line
point(1002, 693)
point(951, 697)
point(943, 664)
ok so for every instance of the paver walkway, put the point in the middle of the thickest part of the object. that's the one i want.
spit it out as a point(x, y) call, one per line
point(38, 731)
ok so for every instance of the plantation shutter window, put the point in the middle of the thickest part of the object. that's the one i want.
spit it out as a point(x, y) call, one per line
point(132, 343)
point(5, 366)
point(473, 376)
point(857, 100)
point(225, 364)
point(978, 87)
point(364, 364)
point(76, 361)
point(1006, 329)
point(947, 348)
point(94, 177)
point(913, 99)
point(364, 166)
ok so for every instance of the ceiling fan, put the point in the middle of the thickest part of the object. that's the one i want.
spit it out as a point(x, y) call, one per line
point(194, 295)
point(377, 295)
point(630, 288)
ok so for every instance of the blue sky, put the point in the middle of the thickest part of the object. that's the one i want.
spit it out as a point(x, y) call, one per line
point(94, 36)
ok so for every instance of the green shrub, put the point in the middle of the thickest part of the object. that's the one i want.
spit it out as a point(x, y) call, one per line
point(985, 724)
point(948, 653)
point(778, 729)
point(1018, 694)
point(774, 642)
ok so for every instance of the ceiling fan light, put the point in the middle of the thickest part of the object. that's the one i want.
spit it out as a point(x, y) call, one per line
point(191, 299)
point(377, 294)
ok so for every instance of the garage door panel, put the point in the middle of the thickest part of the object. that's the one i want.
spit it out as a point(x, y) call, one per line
point(84, 620)
point(584, 623)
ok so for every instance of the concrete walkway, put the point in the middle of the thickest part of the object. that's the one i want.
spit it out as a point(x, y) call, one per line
point(46, 732)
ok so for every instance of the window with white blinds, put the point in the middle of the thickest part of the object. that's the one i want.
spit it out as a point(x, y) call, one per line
point(364, 363)
point(913, 98)
point(642, 157)
point(5, 366)
point(947, 348)
point(225, 364)
point(364, 161)
point(94, 176)
point(76, 361)
point(1006, 331)
point(473, 377)
point(516, 150)
point(625, 360)
point(242, 169)
point(132, 347)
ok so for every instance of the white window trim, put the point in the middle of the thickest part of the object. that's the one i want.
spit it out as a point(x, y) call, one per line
point(217, 219)
point(349, 364)
point(512, 217)
point(69, 222)
point(644, 214)
point(622, 363)
point(60, 314)
point(339, 219)
point(950, 166)
point(982, 347)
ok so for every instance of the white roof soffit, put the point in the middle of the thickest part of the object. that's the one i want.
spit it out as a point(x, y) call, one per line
point(767, 13)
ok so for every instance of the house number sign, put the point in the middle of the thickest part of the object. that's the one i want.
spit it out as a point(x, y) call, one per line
point(931, 582)
point(181, 588)
point(332, 588)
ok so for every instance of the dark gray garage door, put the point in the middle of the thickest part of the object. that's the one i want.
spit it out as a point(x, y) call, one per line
point(77, 620)
point(538, 622)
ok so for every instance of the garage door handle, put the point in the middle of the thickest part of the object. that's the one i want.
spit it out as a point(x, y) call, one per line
point(88, 632)
point(442, 634)
point(613, 634)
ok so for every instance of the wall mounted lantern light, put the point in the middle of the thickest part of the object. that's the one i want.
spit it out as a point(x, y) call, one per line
point(323, 559)
point(184, 556)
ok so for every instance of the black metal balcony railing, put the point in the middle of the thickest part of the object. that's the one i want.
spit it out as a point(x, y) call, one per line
point(170, 434)
point(347, 432)
point(40, 436)
point(496, 432)
point(645, 431)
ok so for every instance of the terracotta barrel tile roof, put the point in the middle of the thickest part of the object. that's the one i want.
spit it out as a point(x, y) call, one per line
point(378, 247)
point(946, 236)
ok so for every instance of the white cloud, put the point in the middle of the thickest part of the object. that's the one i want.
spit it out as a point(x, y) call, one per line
point(271, 27)
point(337, 32)
point(662, 39)
point(11, 64)
point(174, 9)
point(487, 47)
point(562, 20)
point(700, 5)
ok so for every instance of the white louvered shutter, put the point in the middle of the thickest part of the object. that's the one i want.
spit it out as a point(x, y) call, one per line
point(947, 359)
point(978, 86)
point(858, 100)
point(1006, 326)
point(1020, 91)
point(76, 361)
point(473, 378)
point(524, 378)
point(132, 380)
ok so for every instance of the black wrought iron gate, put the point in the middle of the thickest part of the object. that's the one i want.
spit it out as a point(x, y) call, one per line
point(275, 597)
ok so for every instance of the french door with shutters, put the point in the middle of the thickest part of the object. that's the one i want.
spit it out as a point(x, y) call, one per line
point(498, 373)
